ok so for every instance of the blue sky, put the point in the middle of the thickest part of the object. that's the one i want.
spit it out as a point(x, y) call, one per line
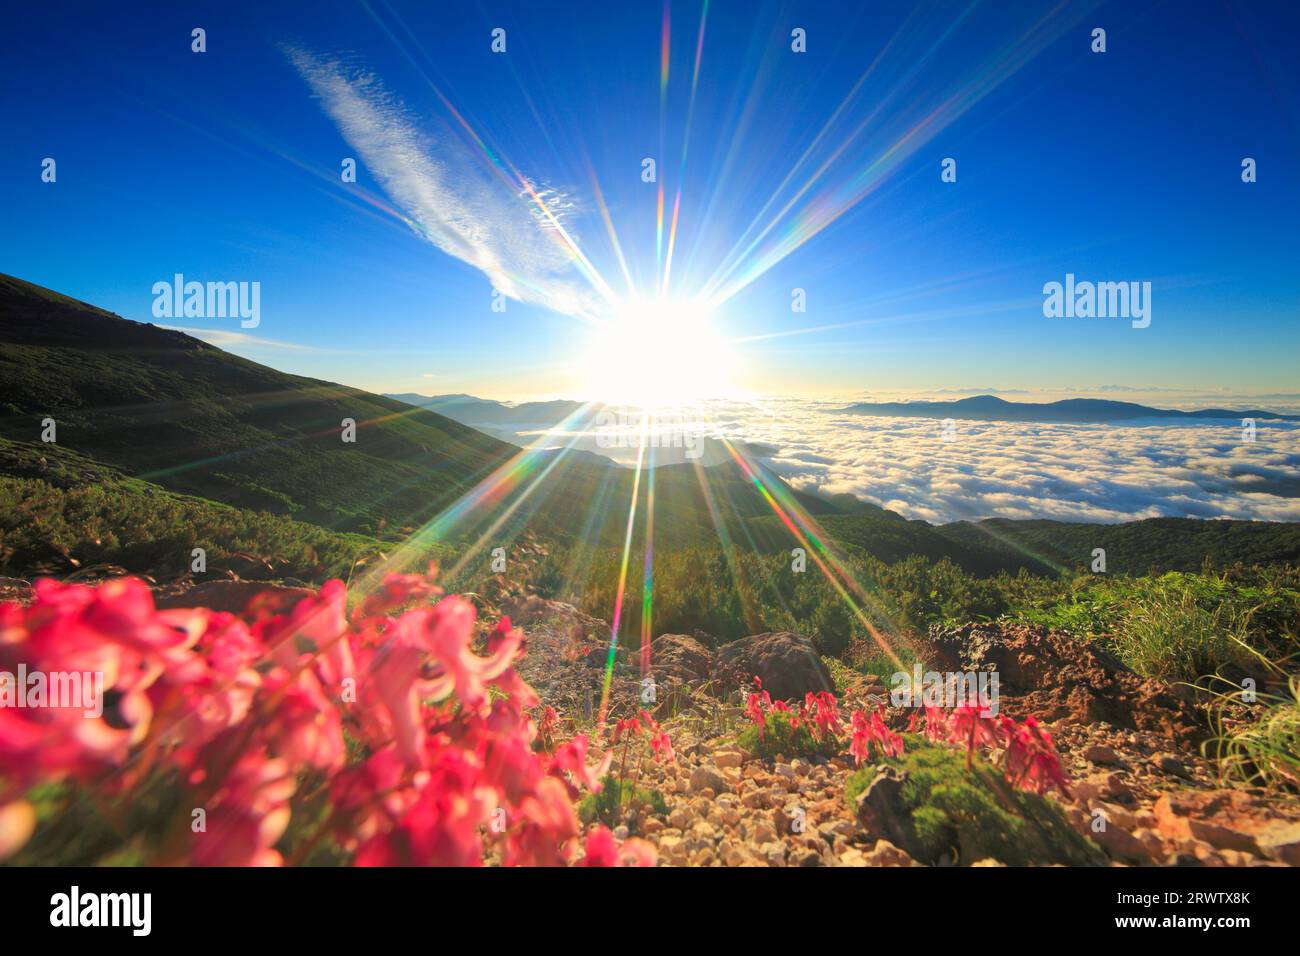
point(1117, 166)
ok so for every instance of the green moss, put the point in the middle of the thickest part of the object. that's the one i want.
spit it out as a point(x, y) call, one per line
point(616, 797)
point(974, 813)
point(781, 737)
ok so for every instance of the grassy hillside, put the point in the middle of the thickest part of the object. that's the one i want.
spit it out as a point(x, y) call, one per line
point(62, 514)
point(166, 407)
point(1133, 547)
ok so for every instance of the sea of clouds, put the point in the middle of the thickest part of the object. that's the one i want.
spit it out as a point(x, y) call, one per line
point(1104, 473)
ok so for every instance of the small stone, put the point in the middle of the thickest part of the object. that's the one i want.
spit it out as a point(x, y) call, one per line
point(707, 778)
point(1151, 841)
point(1280, 841)
point(1171, 818)
point(852, 857)
point(1206, 854)
point(773, 852)
point(1117, 788)
point(728, 758)
point(1101, 754)
point(1121, 844)
point(1223, 837)
point(885, 853)
point(832, 828)
point(1168, 763)
point(702, 857)
point(704, 831)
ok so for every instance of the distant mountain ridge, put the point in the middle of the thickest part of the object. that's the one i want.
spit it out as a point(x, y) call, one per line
point(486, 412)
point(990, 408)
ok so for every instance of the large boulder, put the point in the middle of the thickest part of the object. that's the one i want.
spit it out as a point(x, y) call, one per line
point(788, 664)
point(680, 657)
point(1057, 678)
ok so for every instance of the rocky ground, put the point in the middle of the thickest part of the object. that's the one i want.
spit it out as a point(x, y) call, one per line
point(1140, 787)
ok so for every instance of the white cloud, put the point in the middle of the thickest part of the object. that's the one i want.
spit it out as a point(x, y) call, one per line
point(1104, 473)
point(450, 199)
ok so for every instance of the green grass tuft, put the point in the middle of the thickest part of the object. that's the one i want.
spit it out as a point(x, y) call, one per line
point(974, 814)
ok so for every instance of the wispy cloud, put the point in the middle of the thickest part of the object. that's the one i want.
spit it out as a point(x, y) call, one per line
point(228, 339)
point(450, 195)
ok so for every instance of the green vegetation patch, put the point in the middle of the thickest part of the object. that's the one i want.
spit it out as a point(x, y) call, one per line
point(973, 814)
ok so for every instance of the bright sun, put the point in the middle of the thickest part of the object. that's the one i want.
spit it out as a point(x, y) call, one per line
point(655, 353)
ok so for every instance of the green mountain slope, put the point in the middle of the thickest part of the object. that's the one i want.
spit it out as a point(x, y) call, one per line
point(164, 406)
point(1134, 547)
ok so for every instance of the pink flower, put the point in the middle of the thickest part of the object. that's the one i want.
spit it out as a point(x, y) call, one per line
point(305, 727)
point(825, 713)
point(450, 628)
point(1032, 762)
point(870, 731)
point(247, 815)
point(969, 725)
point(571, 759)
point(601, 850)
point(936, 724)
point(547, 825)
point(757, 706)
point(630, 727)
point(239, 710)
point(547, 726)
point(860, 740)
point(663, 747)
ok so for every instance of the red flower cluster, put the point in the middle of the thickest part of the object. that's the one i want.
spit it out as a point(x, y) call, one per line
point(818, 712)
point(659, 740)
point(869, 731)
point(1030, 760)
point(759, 705)
point(250, 715)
